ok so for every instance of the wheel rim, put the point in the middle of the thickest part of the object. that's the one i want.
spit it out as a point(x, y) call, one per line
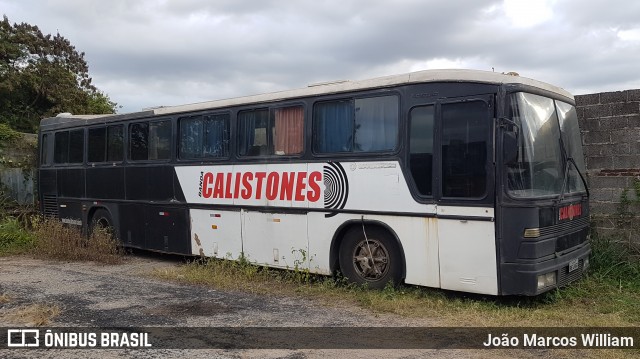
point(102, 223)
point(371, 260)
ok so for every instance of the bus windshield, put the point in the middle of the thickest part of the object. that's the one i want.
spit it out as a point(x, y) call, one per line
point(548, 142)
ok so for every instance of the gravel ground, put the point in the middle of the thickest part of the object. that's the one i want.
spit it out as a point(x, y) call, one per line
point(94, 295)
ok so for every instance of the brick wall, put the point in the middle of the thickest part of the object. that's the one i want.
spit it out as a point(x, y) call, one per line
point(610, 125)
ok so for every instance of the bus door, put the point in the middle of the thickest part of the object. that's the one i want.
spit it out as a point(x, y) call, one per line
point(465, 195)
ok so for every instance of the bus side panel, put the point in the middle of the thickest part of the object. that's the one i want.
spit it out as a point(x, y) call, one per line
point(105, 183)
point(47, 182)
point(418, 237)
point(216, 233)
point(275, 239)
point(167, 229)
point(132, 225)
point(467, 252)
point(153, 183)
point(71, 182)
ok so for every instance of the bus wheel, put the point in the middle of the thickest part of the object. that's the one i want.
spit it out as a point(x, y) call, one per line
point(101, 220)
point(374, 260)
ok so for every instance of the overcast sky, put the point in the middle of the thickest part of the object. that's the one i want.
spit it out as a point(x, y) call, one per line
point(146, 53)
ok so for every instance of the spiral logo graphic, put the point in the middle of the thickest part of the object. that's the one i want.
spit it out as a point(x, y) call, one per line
point(336, 185)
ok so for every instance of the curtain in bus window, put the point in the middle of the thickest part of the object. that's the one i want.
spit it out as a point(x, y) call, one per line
point(191, 130)
point(160, 140)
point(289, 128)
point(376, 124)
point(333, 126)
point(253, 133)
point(215, 134)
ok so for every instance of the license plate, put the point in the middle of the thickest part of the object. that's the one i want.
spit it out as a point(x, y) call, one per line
point(573, 265)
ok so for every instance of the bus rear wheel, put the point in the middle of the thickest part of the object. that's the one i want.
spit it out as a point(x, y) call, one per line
point(101, 220)
point(373, 260)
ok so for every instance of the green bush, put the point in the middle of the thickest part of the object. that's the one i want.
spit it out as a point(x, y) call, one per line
point(13, 237)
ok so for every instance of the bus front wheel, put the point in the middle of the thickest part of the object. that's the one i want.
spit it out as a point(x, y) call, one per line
point(372, 259)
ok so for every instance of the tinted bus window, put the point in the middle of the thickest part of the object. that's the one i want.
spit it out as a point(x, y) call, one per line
point(45, 155)
point(465, 130)
point(76, 146)
point(150, 141)
point(160, 140)
point(61, 147)
point(421, 148)
point(96, 145)
point(138, 138)
point(115, 143)
point(360, 125)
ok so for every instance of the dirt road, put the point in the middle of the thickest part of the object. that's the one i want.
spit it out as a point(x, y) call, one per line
point(124, 295)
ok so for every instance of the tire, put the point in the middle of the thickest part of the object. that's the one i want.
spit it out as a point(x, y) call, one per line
point(356, 254)
point(102, 219)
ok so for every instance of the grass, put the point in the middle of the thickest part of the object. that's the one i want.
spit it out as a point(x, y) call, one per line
point(55, 240)
point(51, 239)
point(14, 238)
point(34, 314)
point(609, 296)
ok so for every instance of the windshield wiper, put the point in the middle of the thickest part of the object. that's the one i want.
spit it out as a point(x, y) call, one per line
point(566, 175)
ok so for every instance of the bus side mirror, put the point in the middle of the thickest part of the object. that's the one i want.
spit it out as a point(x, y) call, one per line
point(510, 131)
point(509, 147)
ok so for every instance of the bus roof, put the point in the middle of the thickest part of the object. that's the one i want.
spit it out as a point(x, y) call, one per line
point(425, 76)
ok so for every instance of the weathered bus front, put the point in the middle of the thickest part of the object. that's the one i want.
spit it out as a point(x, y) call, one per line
point(543, 209)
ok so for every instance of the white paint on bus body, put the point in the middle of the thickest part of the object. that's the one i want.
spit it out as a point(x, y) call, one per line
point(448, 253)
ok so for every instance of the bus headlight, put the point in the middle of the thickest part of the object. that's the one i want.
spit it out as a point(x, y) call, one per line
point(546, 280)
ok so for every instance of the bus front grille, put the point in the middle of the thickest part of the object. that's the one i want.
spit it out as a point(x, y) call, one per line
point(565, 277)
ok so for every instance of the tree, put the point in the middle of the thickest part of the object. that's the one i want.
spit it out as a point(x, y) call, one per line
point(41, 76)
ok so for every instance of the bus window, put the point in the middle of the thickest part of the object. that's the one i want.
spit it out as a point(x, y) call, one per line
point(288, 130)
point(45, 155)
point(333, 126)
point(254, 129)
point(421, 148)
point(138, 136)
point(465, 129)
point(115, 143)
point(96, 144)
point(68, 146)
point(191, 137)
point(160, 140)
point(376, 124)
point(150, 141)
point(105, 144)
point(204, 136)
point(360, 125)
point(76, 146)
point(61, 147)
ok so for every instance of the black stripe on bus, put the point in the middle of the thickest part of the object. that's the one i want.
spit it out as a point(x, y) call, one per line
point(298, 210)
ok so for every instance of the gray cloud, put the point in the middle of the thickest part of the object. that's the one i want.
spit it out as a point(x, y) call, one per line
point(155, 52)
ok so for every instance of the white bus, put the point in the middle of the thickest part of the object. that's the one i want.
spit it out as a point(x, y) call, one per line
point(464, 180)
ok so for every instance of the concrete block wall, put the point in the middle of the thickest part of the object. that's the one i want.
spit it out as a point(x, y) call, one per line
point(610, 126)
